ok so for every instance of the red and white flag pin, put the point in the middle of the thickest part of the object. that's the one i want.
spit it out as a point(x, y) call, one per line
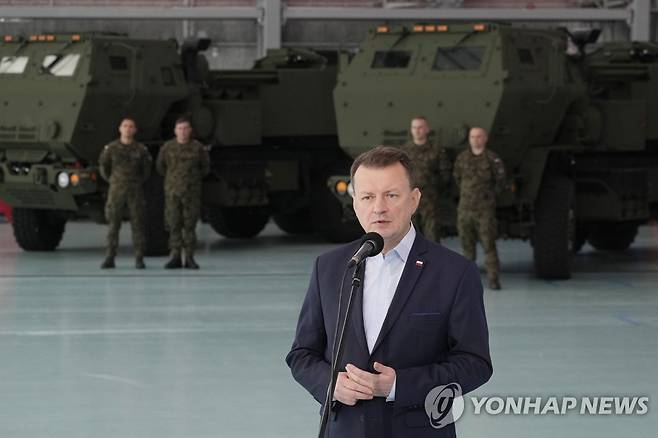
point(419, 263)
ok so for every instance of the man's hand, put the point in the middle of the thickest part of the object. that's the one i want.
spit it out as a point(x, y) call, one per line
point(379, 385)
point(348, 391)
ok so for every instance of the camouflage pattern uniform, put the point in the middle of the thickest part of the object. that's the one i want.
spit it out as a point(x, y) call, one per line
point(433, 168)
point(479, 178)
point(125, 167)
point(183, 166)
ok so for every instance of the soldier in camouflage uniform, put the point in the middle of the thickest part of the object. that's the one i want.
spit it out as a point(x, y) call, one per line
point(480, 176)
point(125, 164)
point(433, 174)
point(183, 162)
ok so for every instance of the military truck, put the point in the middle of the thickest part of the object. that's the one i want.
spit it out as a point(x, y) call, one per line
point(578, 131)
point(573, 128)
point(271, 130)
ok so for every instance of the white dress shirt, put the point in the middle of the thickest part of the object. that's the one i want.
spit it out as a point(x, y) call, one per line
point(381, 279)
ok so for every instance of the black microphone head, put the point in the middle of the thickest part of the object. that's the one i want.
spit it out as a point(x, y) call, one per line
point(377, 242)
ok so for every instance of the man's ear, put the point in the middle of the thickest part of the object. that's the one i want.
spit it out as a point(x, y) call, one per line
point(416, 194)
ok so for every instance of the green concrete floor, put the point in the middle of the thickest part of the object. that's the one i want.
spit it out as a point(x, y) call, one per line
point(123, 353)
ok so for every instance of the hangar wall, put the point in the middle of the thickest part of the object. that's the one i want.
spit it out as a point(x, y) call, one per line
point(237, 43)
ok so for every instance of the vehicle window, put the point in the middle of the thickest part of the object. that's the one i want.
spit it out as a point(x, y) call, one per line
point(60, 65)
point(167, 76)
point(458, 58)
point(391, 59)
point(118, 63)
point(13, 64)
point(525, 56)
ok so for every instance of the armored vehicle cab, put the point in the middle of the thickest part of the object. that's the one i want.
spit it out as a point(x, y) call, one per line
point(576, 132)
point(271, 131)
point(62, 98)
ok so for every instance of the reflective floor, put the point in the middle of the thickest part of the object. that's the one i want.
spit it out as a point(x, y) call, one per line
point(155, 353)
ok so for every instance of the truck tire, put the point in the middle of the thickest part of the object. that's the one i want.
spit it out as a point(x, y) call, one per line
point(554, 231)
point(327, 211)
point(155, 232)
point(299, 222)
point(38, 230)
point(612, 237)
point(580, 238)
point(238, 222)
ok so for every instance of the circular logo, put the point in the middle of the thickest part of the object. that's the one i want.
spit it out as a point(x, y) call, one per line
point(444, 405)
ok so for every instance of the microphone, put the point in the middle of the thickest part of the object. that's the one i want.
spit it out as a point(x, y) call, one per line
point(371, 244)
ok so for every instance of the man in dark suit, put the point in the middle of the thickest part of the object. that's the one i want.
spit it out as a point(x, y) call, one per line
point(418, 322)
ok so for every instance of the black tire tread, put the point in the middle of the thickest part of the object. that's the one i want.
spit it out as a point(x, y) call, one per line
point(238, 222)
point(300, 222)
point(552, 253)
point(155, 232)
point(613, 237)
point(38, 230)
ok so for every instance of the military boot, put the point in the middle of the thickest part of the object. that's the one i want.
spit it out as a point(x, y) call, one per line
point(175, 261)
point(189, 261)
point(108, 263)
point(139, 262)
point(494, 283)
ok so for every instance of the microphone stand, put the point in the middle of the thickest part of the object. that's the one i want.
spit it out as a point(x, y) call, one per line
point(338, 347)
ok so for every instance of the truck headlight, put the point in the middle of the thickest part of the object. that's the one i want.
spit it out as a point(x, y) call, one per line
point(63, 180)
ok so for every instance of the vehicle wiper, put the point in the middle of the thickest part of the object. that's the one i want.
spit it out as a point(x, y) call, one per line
point(58, 57)
point(47, 68)
point(465, 37)
point(405, 33)
point(454, 61)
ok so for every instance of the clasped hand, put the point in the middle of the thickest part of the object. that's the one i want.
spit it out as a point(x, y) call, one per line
point(356, 384)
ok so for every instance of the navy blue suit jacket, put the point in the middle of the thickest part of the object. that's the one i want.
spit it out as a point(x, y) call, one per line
point(435, 333)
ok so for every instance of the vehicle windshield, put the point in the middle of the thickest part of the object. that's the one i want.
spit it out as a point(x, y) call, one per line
point(458, 58)
point(60, 65)
point(391, 59)
point(13, 64)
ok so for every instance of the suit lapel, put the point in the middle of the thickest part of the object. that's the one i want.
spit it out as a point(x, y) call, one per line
point(410, 276)
point(357, 319)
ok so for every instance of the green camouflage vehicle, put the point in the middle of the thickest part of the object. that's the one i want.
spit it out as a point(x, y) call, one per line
point(61, 101)
point(271, 129)
point(574, 129)
point(578, 133)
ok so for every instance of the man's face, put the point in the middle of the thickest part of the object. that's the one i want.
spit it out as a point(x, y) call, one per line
point(477, 137)
point(384, 201)
point(419, 130)
point(127, 128)
point(183, 132)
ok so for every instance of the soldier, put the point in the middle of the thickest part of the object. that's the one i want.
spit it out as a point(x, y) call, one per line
point(433, 171)
point(125, 164)
point(480, 176)
point(183, 162)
